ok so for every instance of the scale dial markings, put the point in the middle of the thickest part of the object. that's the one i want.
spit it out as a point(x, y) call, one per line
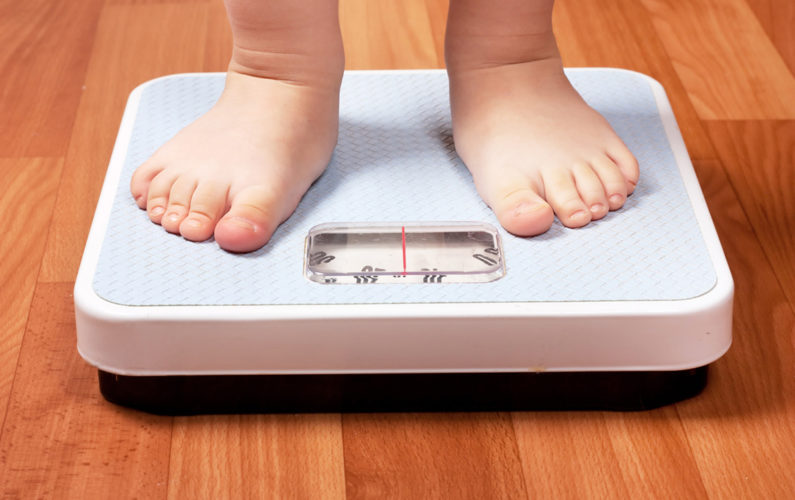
point(417, 252)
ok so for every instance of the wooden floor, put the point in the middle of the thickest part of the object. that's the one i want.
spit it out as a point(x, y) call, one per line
point(66, 68)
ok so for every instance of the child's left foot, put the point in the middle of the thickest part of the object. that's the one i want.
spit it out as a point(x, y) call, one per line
point(532, 144)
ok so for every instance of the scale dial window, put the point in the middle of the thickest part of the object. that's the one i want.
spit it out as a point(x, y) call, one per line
point(365, 253)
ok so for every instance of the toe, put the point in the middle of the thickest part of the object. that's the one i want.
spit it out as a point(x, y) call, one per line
point(627, 164)
point(250, 222)
point(178, 203)
point(206, 206)
point(515, 199)
point(157, 195)
point(141, 178)
point(561, 192)
point(523, 212)
point(613, 180)
point(591, 190)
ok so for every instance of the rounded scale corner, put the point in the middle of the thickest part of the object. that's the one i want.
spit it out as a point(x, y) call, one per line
point(101, 366)
point(88, 359)
point(718, 354)
point(720, 350)
point(723, 291)
point(88, 304)
point(717, 298)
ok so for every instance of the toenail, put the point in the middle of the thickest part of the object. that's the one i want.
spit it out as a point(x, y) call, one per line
point(597, 207)
point(616, 198)
point(525, 208)
point(157, 210)
point(193, 222)
point(241, 223)
point(173, 217)
point(579, 214)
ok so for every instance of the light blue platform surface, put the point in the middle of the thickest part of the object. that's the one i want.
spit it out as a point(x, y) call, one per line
point(395, 161)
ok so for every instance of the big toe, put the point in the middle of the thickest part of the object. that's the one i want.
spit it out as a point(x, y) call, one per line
point(250, 222)
point(523, 212)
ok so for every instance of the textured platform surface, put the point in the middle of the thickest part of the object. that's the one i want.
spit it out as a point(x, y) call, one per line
point(395, 161)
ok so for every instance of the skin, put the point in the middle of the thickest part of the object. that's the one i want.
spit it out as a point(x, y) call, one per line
point(535, 149)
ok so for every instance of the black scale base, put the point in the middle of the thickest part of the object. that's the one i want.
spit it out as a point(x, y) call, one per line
point(205, 394)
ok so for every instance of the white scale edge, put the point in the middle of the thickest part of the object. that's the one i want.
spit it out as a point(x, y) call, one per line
point(660, 335)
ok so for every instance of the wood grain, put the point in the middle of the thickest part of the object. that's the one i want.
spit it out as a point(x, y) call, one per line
point(759, 158)
point(257, 456)
point(620, 33)
point(741, 430)
point(390, 34)
point(27, 198)
point(730, 68)
point(61, 439)
point(431, 456)
point(134, 43)
point(44, 49)
point(777, 17)
point(218, 40)
point(607, 455)
point(654, 455)
point(568, 455)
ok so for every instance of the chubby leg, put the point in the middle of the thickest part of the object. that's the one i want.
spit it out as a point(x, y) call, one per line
point(240, 170)
point(533, 146)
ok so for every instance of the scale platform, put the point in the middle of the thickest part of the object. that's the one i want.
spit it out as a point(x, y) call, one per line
point(393, 287)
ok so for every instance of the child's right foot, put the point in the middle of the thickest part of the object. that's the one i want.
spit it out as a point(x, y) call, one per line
point(240, 170)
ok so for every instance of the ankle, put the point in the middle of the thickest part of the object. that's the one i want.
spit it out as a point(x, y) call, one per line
point(320, 66)
point(464, 53)
point(296, 42)
point(486, 34)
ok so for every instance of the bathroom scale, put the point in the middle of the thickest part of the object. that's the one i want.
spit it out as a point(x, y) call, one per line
point(394, 288)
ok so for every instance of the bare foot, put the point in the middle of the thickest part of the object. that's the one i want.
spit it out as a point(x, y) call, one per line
point(533, 146)
point(240, 170)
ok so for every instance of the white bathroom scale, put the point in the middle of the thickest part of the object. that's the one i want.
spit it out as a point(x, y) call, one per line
point(393, 286)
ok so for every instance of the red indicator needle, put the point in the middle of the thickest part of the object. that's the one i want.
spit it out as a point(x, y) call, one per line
point(403, 231)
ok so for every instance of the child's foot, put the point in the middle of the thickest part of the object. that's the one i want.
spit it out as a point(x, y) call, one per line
point(240, 170)
point(532, 144)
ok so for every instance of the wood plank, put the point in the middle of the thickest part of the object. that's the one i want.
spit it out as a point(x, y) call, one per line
point(27, 197)
point(43, 62)
point(568, 455)
point(729, 66)
point(257, 456)
point(145, 2)
point(455, 455)
point(134, 43)
point(61, 439)
point(437, 15)
point(218, 42)
point(606, 455)
point(391, 34)
point(741, 429)
point(619, 33)
point(777, 17)
point(759, 158)
point(654, 455)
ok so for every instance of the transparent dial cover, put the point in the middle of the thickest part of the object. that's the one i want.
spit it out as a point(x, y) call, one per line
point(417, 252)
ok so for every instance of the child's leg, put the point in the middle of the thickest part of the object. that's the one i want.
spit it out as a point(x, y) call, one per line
point(531, 143)
point(241, 169)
